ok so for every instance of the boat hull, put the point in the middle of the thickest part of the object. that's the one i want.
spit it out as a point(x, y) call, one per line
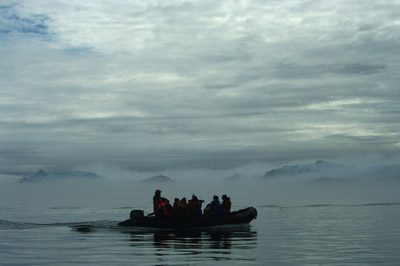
point(243, 216)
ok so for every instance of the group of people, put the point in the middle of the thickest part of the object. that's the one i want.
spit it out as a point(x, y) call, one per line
point(216, 208)
point(193, 207)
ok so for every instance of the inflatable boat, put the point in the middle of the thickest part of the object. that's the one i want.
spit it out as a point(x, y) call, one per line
point(138, 219)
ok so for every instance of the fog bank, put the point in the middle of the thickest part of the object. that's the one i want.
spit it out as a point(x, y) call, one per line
point(257, 193)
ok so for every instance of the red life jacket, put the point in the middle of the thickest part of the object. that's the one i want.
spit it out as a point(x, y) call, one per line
point(163, 206)
point(226, 204)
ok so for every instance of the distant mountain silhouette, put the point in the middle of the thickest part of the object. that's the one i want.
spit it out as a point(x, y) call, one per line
point(158, 179)
point(235, 177)
point(325, 171)
point(292, 170)
point(44, 176)
point(288, 171)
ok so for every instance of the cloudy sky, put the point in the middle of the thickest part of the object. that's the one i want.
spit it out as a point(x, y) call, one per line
point(154, 84)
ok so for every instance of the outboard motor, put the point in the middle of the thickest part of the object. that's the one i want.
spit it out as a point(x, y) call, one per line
point(135, 214)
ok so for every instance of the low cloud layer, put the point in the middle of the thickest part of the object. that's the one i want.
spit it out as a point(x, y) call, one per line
point(153, 85)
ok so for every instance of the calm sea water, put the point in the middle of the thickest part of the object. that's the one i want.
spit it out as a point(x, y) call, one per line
point(54, 233)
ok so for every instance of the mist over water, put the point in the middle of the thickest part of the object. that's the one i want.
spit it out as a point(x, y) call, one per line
point(302, 220)
point(282, 191)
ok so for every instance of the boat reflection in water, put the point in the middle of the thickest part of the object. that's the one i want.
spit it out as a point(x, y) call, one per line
point(217, 243)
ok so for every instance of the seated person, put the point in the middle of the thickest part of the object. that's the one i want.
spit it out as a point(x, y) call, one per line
point(194, 206)
point(176, 202)
point(207, 209)
point(226, 203)
point(216, 207)
point(181, 208)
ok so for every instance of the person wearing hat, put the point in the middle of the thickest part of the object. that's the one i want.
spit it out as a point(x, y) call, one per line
point(161, 206)
point(156, 200)
point(194, 206)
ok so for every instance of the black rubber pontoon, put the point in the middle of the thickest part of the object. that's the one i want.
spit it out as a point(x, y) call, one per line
point(138, 219)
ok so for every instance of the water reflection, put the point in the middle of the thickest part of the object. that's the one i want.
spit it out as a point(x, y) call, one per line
point(197, 244)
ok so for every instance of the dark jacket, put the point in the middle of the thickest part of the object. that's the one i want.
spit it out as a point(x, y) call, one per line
point(226, 204)
point(194, 207)
point(216, 208)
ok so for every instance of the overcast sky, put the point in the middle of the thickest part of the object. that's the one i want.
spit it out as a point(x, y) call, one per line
point(155, 84)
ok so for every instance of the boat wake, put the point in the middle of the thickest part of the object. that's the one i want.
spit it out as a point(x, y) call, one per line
point(10, 225)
